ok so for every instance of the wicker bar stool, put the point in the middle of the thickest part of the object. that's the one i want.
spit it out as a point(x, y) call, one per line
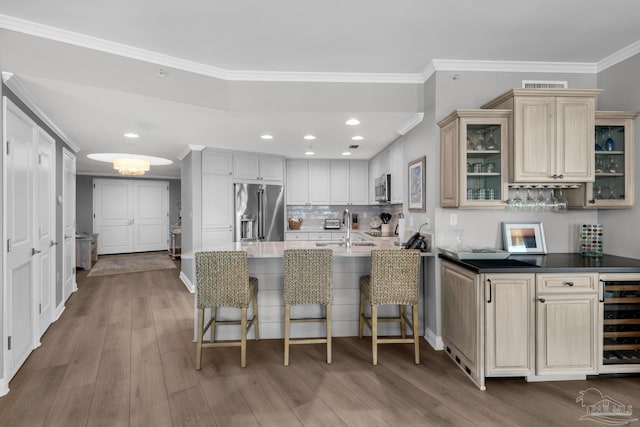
point(393, 280)
point(308, 279)
point(223, 281)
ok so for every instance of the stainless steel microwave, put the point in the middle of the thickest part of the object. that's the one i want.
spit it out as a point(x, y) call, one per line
point(383, 188)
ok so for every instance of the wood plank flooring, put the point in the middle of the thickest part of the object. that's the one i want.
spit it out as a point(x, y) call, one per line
point(122, 354)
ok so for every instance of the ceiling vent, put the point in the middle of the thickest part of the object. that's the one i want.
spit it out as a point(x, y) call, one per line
point(545, 84)
point(353, 146)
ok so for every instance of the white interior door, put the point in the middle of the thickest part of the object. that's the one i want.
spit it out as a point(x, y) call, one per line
point(150, 216)
point(46, 228)
point(112, 217)
point(131, 216)
point(69, 284)
point(20, 267)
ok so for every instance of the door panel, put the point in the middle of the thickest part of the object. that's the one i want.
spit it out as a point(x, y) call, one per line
point(69, 223)
point(46, 228)
point(131, 216)
point(20, 268)
point(150, 216)
point(112, 215)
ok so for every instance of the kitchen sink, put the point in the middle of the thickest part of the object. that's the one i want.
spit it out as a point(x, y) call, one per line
point(363, 244)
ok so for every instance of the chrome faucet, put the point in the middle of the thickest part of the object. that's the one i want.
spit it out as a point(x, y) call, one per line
point(347, 222)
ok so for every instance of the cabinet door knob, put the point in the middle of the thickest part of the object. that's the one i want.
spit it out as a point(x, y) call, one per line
point(592, 201)
point(568, 283)
point(541, 299)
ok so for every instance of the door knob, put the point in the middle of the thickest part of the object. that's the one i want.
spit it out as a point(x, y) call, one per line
point(53, 243)
point(34, 251)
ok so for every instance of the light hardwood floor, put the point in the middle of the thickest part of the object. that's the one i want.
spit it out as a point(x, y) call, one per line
point(122, 354)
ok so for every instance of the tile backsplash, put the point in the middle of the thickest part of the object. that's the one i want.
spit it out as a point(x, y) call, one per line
point(314, 216)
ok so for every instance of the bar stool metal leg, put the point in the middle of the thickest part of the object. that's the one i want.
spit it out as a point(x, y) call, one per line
point(416, 337)
point(287, 324)
point(374, 333)
point(328, 327)
point(199, 338)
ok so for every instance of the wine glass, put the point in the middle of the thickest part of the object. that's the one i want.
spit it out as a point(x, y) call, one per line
point(562, 202)
point(541, 200)
point(479, 140)
point(515, 204)
point(528, 204)
point(612, 190)
point(551, 201)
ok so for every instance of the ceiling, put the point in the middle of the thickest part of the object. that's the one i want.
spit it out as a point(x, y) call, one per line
point(222, 73)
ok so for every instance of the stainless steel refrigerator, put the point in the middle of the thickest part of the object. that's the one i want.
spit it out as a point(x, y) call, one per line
point(259, 212)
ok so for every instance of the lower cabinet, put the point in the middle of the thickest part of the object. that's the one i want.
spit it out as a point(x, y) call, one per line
point(510, 324)
point(513, 324)
point(567, 328)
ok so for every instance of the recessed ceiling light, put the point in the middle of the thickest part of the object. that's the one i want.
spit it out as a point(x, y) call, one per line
point(357, 138)
point(131, 135)
point(352, 122)
point(309, 137)
point(309, 153)
point(266, 136)
point(346, 153)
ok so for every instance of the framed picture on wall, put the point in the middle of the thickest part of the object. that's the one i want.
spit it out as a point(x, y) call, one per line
point(417, 184)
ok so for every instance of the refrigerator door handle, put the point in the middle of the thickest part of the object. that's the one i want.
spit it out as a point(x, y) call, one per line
point(260, 214)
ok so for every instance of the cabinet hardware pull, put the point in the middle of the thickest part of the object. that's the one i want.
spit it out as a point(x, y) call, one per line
point(592, 201)
point(560, 176)
point(568, 283)
point(601, 287)
point(490, 296)
point(541, 299)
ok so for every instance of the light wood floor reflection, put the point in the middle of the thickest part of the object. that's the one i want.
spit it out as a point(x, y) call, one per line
point(122, 354)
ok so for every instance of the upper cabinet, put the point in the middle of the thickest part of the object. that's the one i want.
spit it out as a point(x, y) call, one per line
point(248, 166)
point(327, 182)
point(614, 177)
point(473, 154)
point(551, 134)
point(217, 162)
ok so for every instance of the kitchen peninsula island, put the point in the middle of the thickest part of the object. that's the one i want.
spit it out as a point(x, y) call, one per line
point(266, 264)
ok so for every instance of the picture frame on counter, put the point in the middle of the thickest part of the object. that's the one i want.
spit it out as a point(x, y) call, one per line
point(524, 237)
point(417, 184)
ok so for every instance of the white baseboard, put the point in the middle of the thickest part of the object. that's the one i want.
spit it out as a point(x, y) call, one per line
point(187, 282)
point(434, 340)
point(57, 315)
point(4, 387)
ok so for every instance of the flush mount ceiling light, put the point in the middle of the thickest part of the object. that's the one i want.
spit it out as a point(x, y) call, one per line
point(357, 138)
point(309, 137)
point(266, 136)
point(130, 164)
point(352, 122)
point(309, 151)
point(132, 135)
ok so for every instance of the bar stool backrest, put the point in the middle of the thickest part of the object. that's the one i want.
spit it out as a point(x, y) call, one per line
point(223, 279)
point(394, 276)
point(308, 276)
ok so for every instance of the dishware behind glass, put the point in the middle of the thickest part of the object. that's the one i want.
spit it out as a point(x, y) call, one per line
point(609, 144)
point(491, 141)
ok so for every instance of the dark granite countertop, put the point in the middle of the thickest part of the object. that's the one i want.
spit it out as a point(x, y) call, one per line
point(551, 263)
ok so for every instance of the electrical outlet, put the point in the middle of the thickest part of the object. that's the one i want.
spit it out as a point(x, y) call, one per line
point(453, 219)
point(427, 224)
point(410, 221)
point(364, 215)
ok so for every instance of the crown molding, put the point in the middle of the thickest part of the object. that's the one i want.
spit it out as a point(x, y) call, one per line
point(188, 149)
point(116, 175)
point(102, 45)
point(515, 66)
point(16, 86)
point(428, 71)
point(410, 124)
point(619, 56)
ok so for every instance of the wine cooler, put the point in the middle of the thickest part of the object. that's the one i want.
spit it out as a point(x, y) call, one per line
point(621, 323)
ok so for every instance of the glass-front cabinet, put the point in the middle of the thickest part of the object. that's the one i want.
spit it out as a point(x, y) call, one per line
point(613, 184)
point(473, 158)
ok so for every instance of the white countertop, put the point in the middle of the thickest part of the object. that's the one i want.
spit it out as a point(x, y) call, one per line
point(276, 249)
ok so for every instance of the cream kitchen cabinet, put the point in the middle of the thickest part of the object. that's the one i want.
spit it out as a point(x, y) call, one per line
point(567, 324)
point(249, 166)
point(510, 324)
point(217, 162)
point(551, 134)
point(473, 158)
point(614, 163)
